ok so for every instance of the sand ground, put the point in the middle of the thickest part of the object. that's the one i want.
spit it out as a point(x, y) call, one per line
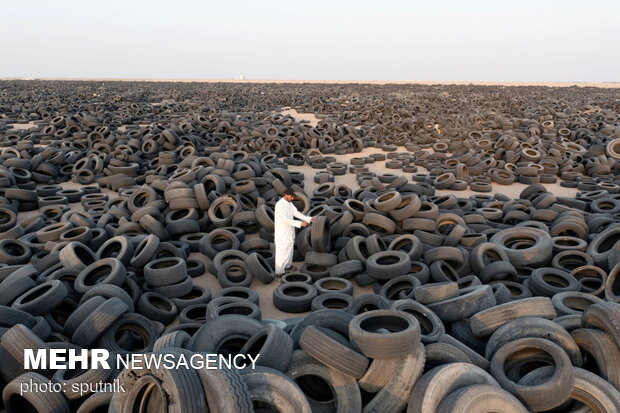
point(265, 291)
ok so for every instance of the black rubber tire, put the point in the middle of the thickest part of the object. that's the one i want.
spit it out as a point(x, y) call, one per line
point(573, 302)
point(216, 333)
point(431, 327)
point(346, 269)
point(296, 277)
point(441, 353)
point(369, 302)
point(539, 242)
point(225, 391)
point(333, 353)
point(105, 271)
point(485, 322)
point(319, 234)
point(126, 331)
point(165, 271)
point(76, 255)
point(409, 244)
point(331, 319)
point(602, 350)
point(393, 397)
point(260, 268)
point(603, 244)
point(461, 331)
point(234, 273)
point(295, 297)
point(273, 346)
point(537, 328)
point(604, 316)
point(341, 393)
point(175, 339)
point(387, 201)
point(117, 247)
point(403, 337)
point(484, 254)
point(16, 284)
point(196, 313)
point(96, 402)
point(176, 290)
point(379, 224)
point(335, 301)
point(321, 258)
point(594, 392)
point(145, 251)
point(108, 291)
point(240, 292)
point(438, 383)
point(76, 317)
point(197, 295)
point(195, 267)
point(276, 390)
point(480, 397)
point(547, 395)
point(498, 270)
point(408, 207)
point(18, 338)
point(470, 301)
point(400, 287)
point(379, 373)
point(42, 298)
point(388, 264)
point(14, 252)
point(182, 385)
point(333, 285)
point(432, 293)
point(157, 307)
point(97, 322)
point(548, 281)
point(226, 240)
point(244, 308)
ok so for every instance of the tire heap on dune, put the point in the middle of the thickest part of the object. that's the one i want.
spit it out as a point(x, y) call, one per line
point(480, 303)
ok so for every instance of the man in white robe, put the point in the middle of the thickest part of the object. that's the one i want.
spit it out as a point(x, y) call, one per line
point(285, 225)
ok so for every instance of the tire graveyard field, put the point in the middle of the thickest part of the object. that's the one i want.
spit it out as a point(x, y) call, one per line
point(464, 254)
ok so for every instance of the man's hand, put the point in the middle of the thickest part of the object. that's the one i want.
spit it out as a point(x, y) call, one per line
point(304, 224)
point(312, 219)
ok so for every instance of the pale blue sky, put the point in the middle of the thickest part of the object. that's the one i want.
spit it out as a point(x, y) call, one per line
point(545, 40)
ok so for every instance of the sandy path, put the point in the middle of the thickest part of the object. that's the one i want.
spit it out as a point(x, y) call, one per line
point(309, 118)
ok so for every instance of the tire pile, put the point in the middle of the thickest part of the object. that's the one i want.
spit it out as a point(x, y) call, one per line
point(480, 304)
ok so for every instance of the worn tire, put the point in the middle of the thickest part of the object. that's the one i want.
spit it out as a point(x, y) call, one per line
point(332, 353)
point(487, 321)
point(480, 397)
point(403, 337)
point(341, 394)
point(274, 389)
point(550, 393)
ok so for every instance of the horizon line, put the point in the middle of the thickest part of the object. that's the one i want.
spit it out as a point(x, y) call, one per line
point(609, 84)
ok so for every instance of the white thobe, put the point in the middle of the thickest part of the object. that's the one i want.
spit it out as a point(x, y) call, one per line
point(284, 236)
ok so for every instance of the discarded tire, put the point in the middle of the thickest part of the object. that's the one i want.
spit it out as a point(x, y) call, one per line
point(120, 203)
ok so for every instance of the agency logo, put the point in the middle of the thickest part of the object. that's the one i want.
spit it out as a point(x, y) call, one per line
point(43, 359)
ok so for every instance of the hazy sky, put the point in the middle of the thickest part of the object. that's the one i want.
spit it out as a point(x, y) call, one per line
point(500, 40)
